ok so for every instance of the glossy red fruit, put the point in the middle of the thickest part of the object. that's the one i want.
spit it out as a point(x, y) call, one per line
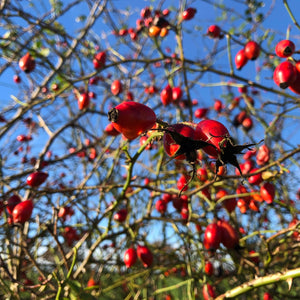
point(267, 296)
point(12, 202)
point(166, 95)
point(267, 192)
point(263, 155)
point(145, 12)
point(208, 268)
point(247, 123)
point(200, 113)
point(110, 130)
point(214, 31)
point(99, 60)
point(116, 87)
point(208, 292)
point(17, 79)
point(83, 100)
point(252, 50)
point(182, 183)
point(130, 257)
point(27, 63)
point(212, 236)
point(189, 13)
point(229, 204)
point(229, 236)
point(132, 118)
point(37, 178)
point(202, 174)
point(213, 132)
point(293, 223)
point(255, 179)
point(121, 215)
point(285, 48)
point(145, 255)
point(70, 235)
point(176, 93)
point(170, 146)
point(218, 105)
point(285, 74)
point(161, 206)
point(240, 59)
point(22, 211)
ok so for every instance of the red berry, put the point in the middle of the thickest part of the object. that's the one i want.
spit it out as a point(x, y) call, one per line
point(145, 255)
point(166, 95)
point(161, 206)
point(252, 50)
point(130, 257)
point(37, 178)
point(267, 192)
point(247, 123)
point(116, 87)
point(182, 183)
point(267, 296)
point(83, 100)
point(189, 13)
point(218, 105)
point(99, 60)
point(110, 130)
point(285, 48)
point(200, 113)
point(17, 79)
point(212, 236)
point(209, 268)
point(240, 59)
point(213, 132)
point(285, 74)
point(91, 282)
point(214, 31)
point(22, 211)
point(132, 118)
point(255, 179)
point(176, 93)
point(27, 63)
point(202, 174)
point(121, 215)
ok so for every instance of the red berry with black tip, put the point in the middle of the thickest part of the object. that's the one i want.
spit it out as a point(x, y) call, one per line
point(252, 50)
point(27, 63)
point(285, 48)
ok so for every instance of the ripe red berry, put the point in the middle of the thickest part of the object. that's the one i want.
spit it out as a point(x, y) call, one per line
point(132, 118)
point(27, 63)
point(91, 282)
point(208, 268)
point(176, 93)
point(130, 257)
point(110, 130)
point(166, 95)
point(121, 215)
point(145, 255)
point(252, 50)
point(285, 74)
point(189, 13)
point(37, 178)
point(214, 31)
point(267, 192)
point(212, 236)
point(83, 100)
point(285, 48)
point(116, 87)
point(267, 296)
point(240, 59)
point(263, 155)
point(255, 179)
point(182, 183)
point(99, 60)
point(22, 211)
point(17, 79)
point(161, 206)
point(200, 113)
point(247, 123)
point(218, 105)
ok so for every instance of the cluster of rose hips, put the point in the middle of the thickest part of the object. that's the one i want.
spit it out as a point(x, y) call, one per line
point(251, 51)
point(287, 73)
